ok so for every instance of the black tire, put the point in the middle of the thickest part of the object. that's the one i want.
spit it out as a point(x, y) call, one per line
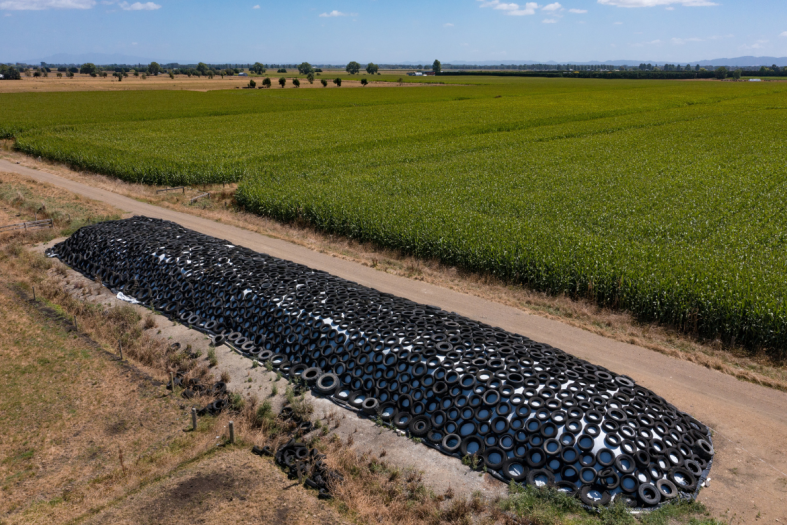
point(704, 449)
point(468, 442)
point(310, 375)
point(629, 484)
point(648, 494)
point(694, 467)
point(420, 426)
point(642, 458)
point(514, 469)
point(385, 408)
point(489, 460)
point(540, 477)
point(327, 384)
point(566, 487)
point(370, 406)
point(586, 497)
point(451, 443)
point(402, 420)
point(605, 457)
point(609, 479)
point(667, 489)
point(569, 473)
point(683, 478)
point(357, 398)
point(536, 458)
point(625, 464)
point(588, 475)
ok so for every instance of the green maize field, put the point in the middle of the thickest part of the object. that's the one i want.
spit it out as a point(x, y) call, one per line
point(666, 199)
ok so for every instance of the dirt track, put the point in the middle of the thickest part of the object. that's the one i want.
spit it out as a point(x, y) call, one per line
point(749, 476)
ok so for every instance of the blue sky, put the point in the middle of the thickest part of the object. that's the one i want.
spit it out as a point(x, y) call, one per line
point(388, 31)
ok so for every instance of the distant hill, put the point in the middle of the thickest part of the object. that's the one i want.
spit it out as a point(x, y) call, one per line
point(745, 61)
point(748, 61)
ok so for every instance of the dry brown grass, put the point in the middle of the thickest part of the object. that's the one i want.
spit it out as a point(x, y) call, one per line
point(621, 326)
point(163, 82)
point(80, 428)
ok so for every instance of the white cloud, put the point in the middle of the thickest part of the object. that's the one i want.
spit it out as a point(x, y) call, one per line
point(40, 5)
point(578, 11)
point(681, 41)
point(784, 35)
point(139, 6)
point(336, 13)
point(549, 21)
point(511, 9)
point(759, 44)
point(670, 8)
point(651, 43)
point(617, 23)
point(256, 7)
point(449, 24)
point(654, 3)
point(553, 7)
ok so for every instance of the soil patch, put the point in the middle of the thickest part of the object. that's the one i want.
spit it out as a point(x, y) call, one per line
point(231, 487)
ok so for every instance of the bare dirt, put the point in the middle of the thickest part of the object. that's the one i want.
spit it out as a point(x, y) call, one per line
point(234, 487)
point(163, 82)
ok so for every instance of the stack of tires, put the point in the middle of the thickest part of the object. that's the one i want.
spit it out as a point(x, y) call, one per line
point(526, 411)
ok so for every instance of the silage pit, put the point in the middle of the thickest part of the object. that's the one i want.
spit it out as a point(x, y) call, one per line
point(525, 411)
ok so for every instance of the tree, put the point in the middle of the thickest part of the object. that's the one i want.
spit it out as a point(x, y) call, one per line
point(437, 67)
point(252, 84)
point(737, 74)
point(310, 78)
point(12, 74)
point(364, 81)
point(266, 82)
point(88, 69)
point(338, 82)
point(203, 68)
point(353, 67)
point(229, 72)
point(721, 73)
point(154, 68)
point(257, 68)
point(371, 68)
point(296, 82)
point(324, 82)
point(305, 68)
point(119, 75)
point(282, 81)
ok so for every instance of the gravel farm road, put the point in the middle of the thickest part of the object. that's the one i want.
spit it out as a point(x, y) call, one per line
point(749, 475)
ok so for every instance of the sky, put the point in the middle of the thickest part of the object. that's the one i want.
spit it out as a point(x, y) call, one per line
point(394, 31)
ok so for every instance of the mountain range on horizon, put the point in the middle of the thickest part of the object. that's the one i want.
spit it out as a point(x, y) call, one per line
point(116, 58)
